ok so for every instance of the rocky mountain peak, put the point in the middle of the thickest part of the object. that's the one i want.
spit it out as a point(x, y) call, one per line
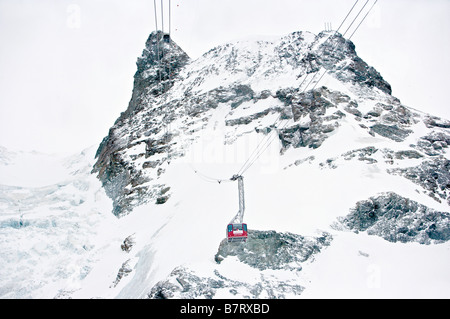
point(157, 67)
point(252, 83)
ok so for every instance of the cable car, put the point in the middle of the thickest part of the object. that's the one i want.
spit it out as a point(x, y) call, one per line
point(237, 232)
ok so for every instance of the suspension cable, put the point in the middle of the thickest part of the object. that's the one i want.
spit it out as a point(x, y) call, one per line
point(209, 179)
point(270, 139)
point(162, 17)
point(169, 16)
point(265, 143)
point(363, 19)
point(170, 83)
point(347, 15)
point(156, 18)
point(355, 18)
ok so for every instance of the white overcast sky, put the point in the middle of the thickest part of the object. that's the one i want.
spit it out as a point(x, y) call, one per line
point(66, 67)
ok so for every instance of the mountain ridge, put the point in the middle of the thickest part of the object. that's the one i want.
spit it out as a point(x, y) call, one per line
point(350, 198)
point(219, 76)
point(343, 150)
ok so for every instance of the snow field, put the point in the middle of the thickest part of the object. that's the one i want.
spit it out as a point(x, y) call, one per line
point(304, 200)
point(71, 246)
point(360, 266)
point(50, 235)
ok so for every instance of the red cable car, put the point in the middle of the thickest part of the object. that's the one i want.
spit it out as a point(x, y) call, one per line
point(237, 232)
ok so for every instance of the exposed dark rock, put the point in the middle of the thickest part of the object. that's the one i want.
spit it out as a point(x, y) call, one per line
point(310, 135)
point(432, 174)
point(362, 153)
point(393, 132)
point(434, 121)
point(313, 103)
point(157, 67)
point(184, 283)
point(434, 144)
point(140, 145)
point(127, 244)
point(263, 250)
point(332, 52)
point(248, 119)
point(162, 200)
point(407, 154)
point(398, 219)
point(396, 115)
point(124, 270)
point(273, 250)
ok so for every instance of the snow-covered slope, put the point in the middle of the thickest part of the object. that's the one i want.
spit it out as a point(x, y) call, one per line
point(350, 198)
point(54, 222)
point(340, 141)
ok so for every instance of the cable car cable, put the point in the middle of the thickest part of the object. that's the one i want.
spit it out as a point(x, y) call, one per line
point(363, 19)
point(162, 17)
point(347, 15)
point(209, 178)
point(243, 169)
point(266, 141)
point(355, 17)
point(258, 153)
point(156, 18)
point(169, 9)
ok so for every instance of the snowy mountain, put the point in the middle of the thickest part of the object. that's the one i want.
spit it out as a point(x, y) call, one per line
point(54, 220)
point(349, 196)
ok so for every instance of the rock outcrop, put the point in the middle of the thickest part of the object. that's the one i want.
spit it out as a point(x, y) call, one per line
point(398, 219)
